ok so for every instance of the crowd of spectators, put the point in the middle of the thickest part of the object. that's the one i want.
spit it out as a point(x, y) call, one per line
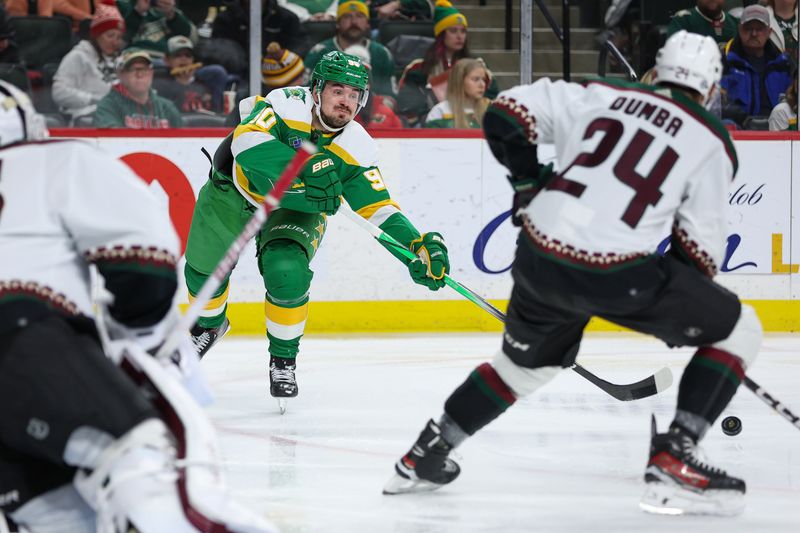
point(759, 49)
point(195, 58)
point(163, 63)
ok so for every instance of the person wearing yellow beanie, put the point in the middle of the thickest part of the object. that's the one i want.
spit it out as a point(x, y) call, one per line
point(349, 6)
point(424, 80)
point(446, 16)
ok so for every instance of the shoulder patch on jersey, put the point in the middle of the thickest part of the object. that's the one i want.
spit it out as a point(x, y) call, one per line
point(295, 93)
point(682, 13)
point(293, 105)
point(355, 147)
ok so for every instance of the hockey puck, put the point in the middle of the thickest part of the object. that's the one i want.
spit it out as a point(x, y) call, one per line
point(731, 426)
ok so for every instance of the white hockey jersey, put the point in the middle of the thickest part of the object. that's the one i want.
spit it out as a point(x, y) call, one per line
point(636, 164)
point(64, 204)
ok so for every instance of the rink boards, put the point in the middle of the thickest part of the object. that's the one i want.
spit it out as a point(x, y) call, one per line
point(448, 181)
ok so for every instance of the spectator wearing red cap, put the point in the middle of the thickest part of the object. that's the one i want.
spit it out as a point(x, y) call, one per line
point(87, 71)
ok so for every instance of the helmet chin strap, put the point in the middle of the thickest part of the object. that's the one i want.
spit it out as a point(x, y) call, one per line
point(318, 111)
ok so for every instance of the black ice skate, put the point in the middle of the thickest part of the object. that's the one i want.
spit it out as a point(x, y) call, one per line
point(204, 338)
point(426, 466)
point(282, 381)
point(680, 482)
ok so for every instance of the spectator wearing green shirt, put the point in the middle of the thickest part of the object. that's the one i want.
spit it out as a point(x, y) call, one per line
point(132, 103)
point(312, 9)
point(708, 17)
point(783, 22)
point(352, 27)
point(150, 23)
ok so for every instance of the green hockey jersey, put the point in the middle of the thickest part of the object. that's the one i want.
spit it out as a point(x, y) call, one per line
point(275, 127)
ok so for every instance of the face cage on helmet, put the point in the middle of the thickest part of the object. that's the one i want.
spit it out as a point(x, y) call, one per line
point(319, 85)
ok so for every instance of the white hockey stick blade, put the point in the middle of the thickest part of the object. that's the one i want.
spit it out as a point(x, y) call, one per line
point(669, 499)
point(649, 386)
point(403, 485)
point(663, 379)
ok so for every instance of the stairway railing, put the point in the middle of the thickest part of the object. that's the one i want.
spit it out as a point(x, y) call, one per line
point(607, 47)
point(526, 37)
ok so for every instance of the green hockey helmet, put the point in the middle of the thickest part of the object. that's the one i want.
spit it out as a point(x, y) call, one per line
point(346, 69)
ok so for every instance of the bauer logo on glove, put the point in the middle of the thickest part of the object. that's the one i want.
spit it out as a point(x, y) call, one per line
point(316, 167)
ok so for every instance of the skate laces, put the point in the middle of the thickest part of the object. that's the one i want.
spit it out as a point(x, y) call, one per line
point(282, 374)
point(202, 340)
point(696, 457)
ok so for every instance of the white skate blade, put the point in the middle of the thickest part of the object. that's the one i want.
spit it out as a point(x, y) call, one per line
point(281, 405)
point(663, 498)
point(402, 485)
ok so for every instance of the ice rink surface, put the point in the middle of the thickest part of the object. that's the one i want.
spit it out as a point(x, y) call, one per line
point(568, 458)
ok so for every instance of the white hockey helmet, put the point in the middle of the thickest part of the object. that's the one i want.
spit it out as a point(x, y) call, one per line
point(19, 121)
point(690, 60)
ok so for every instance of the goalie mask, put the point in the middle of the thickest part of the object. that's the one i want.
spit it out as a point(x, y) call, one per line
point(19, 121)
point(338, 67)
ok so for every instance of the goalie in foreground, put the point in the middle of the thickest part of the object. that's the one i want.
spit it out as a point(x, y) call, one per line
point(95, 437)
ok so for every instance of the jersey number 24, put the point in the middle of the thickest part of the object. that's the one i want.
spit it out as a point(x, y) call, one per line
point(646, 187)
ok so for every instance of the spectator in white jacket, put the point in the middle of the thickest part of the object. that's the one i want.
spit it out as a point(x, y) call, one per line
point(87, 71)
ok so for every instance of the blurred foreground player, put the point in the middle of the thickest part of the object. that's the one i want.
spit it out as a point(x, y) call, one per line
point(84, 445)
point(638, 161)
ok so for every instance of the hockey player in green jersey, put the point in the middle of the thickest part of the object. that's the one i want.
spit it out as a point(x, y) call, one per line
point(244, 168)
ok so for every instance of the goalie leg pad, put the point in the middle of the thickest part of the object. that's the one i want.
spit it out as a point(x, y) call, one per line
point(204, 499)
point(134, 482)
point(745, 339)
point(56, 511)
point(521, 380)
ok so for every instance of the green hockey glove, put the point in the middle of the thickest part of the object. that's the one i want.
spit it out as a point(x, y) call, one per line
point(323, 188)
point(431, 263)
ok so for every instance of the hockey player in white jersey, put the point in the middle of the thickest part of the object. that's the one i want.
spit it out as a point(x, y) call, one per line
point(637, 163)
point(83, 446)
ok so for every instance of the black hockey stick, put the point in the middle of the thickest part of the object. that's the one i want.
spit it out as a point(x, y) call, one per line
point(649, 386)
point(776, 406)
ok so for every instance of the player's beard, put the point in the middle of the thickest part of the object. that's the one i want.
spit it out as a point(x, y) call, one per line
point(334, 121)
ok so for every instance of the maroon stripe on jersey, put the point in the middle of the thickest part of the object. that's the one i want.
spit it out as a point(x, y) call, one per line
point(517, 113)
point(677, 469)
point(488, 375)
point(14, 289)
point(131, 254)
point(580, 258)
point(700, 119)
point(730, 361)
point(699, 257)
